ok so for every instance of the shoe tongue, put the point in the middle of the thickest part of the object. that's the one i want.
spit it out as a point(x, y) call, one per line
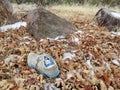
point(48, 61)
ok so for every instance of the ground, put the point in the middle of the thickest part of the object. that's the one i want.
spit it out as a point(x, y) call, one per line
point(88, 59)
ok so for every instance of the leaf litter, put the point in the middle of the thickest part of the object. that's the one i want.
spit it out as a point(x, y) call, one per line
point(88, 60)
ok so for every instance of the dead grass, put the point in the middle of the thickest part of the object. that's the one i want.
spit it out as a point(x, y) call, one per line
point(23, 7)
point(66, 11)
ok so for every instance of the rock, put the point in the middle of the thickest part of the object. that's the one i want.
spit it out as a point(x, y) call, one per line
point(109, 19)
point(6, 11)
point(42, 24)
point(8, 5)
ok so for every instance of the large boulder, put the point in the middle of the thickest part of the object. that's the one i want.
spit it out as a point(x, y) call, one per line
point(42, 24)
point(6, 11)
point(8, 5)
point(109, 19)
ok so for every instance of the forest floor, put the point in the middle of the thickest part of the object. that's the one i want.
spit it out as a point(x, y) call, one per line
point(88, 59)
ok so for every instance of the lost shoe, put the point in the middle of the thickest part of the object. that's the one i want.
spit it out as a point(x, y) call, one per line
point(44, 63)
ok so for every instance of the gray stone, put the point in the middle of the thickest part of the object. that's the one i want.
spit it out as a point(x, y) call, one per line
point(109, 19)
point(6, 11)
point(42, 24)
point(8, 5)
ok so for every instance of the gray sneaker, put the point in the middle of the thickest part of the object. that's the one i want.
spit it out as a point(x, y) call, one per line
point(44, 63)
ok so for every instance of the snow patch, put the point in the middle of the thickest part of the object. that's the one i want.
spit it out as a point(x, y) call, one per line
point(59, 37)
point(89, 64)
point(68, 55)
point(79, 32)
point(115, 14)
point(74, 51)
point(92, 73)
point(41, 40)
point(27, 37)
point(50, 38)
point(26, 42)
point(116, 62)
point(115, 33)
point(107, 65)
point(12, 58)
point(58, 80)
point(76, 40)
point(19, 81)
point(69, 75)
point(50, 86)
point(13, 26)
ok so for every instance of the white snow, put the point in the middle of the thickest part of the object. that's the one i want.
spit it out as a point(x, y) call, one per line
point(79, 32)
point(89, 64)
point(69, 75)
point(27, 37)
point(19, 81)
point(56, 38)
point(41, 40)
point(92, 73)
point(27, 42)
point(116, 62)
point(59, 37)
point(12, 58)
point(58, 80)
point(115, 14)
point(13, 26)
point(68, 55)
point(76, 40)
point(50, 86)
point(107, 65)
point(74, 51)
point(50, 38)
point(115, 33)
point(74, 71)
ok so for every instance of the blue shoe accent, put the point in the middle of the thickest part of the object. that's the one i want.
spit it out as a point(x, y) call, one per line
point(57, 73)
point(32, 66)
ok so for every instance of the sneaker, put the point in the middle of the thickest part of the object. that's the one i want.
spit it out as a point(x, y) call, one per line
point(44, 63)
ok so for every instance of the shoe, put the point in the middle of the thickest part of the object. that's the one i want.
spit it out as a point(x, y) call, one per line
point(44, 64)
